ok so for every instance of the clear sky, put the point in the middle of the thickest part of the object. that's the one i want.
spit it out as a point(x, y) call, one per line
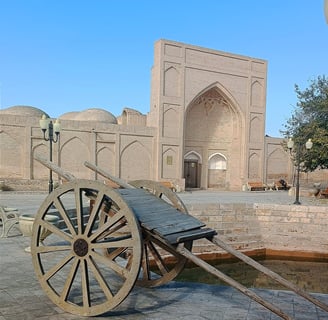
point(71, 55)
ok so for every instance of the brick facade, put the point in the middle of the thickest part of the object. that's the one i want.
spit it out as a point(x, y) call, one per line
point(205, 129)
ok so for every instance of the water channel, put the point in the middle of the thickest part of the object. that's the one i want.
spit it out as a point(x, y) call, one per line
point(310, 276)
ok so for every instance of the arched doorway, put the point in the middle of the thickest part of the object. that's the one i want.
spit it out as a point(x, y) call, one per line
point(192, 170)
point(213, 128)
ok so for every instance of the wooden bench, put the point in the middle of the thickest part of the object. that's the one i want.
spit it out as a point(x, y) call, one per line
point(281, 185)
point(256, 186)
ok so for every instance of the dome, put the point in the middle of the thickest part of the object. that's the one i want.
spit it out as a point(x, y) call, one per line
point(26, 111)
point(131, 111)
point(95, 114)
point(69, 115)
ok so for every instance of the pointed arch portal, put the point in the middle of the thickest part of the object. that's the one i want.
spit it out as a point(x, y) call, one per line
point(212, 127)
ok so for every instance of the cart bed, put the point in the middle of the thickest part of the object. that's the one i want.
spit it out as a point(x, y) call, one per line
point(159, 217)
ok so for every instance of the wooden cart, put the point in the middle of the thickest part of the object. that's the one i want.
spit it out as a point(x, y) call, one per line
point(109, 239)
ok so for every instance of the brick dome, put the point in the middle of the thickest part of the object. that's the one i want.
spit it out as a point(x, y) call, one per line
point(27, 111)
point(92, 114)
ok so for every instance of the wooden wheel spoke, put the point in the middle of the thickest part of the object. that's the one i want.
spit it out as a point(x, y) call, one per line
point(64, 215)
point(120, 224)
point(101, 280)
point(48, 249)
point(94, 212)
point(145, 264)
point(85, 284)
point(158, 259)
point(113, 243)
point(70, 279)
point(55, 230)
point(115, 253)
point(110, 264)
point(106, 226)
point(52, 271)
point(79, 209)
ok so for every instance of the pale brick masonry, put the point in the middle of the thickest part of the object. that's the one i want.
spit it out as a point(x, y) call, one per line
point(286, 230)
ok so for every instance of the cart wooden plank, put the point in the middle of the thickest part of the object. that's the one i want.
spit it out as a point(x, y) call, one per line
point(158, 216)
point(168, 219)
point(190, 235)
point(174, 228)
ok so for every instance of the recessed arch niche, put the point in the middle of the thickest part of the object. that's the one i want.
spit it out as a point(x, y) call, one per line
point(213, 124)
point(135, 167)
point(217, 167)
point(10, 156)
point(75, 160)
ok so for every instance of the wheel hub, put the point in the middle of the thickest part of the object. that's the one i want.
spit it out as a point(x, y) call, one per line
point(81, 247)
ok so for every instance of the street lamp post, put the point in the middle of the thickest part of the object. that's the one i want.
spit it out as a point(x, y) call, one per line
point(308, 146)
point(46, 124)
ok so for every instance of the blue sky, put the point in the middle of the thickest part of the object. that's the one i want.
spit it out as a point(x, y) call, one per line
point(71, 55)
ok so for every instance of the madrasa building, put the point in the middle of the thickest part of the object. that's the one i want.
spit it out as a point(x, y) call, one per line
point(205, 129)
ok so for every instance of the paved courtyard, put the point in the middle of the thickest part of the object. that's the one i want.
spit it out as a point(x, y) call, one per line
point(29, 202)
point(21, 296)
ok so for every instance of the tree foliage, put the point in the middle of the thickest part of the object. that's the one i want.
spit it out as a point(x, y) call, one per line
point(310, 121)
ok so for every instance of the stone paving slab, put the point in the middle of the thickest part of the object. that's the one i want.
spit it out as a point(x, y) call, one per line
point(22, 298)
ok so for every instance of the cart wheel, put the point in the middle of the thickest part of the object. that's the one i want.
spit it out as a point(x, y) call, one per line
point(160, 264)
point(70, 262)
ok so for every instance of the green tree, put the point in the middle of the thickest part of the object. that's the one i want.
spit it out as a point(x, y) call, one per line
point(310, 121)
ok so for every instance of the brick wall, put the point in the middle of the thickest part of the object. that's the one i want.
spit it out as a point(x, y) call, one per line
point(284, 230)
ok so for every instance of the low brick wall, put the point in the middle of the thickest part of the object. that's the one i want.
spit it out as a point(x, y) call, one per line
point(24, 185)
point(265, 229)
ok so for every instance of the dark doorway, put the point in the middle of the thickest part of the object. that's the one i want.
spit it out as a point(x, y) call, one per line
point(191, 174)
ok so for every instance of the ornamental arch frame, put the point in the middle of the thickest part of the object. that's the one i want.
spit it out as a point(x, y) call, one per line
point(220, 97)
